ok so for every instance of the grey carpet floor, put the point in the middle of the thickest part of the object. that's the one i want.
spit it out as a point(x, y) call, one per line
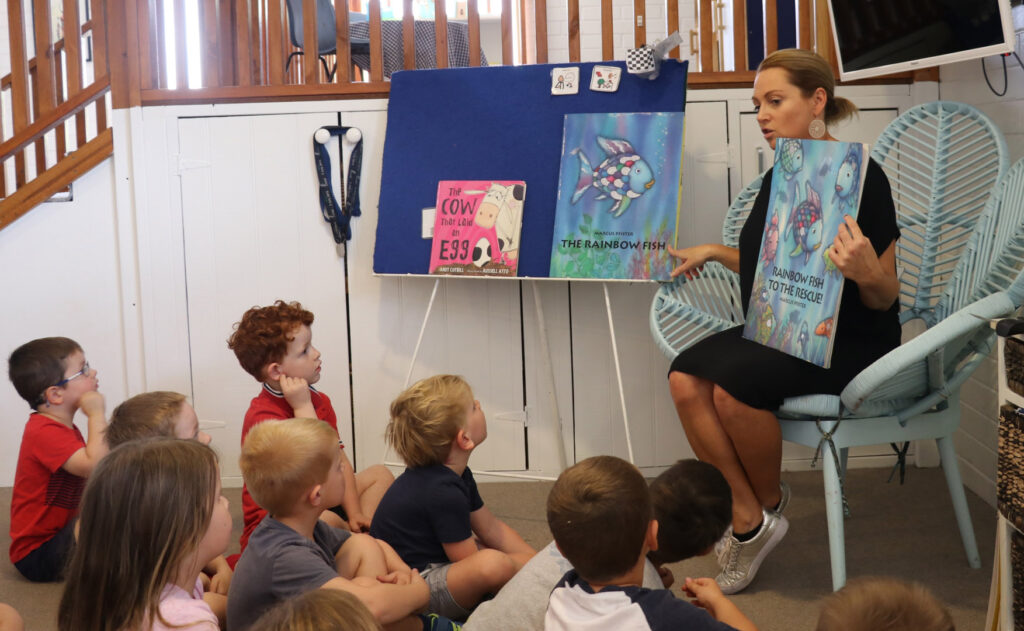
point(904, 531)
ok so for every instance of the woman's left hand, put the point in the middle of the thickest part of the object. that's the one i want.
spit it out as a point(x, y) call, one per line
point(853, 254)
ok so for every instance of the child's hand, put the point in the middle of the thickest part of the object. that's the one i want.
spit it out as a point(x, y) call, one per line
point(296, 391)
point(221, 580)
point(705, 592)
point(667, 578)
point(398, 577)
point(92, 403)
point(357, 522)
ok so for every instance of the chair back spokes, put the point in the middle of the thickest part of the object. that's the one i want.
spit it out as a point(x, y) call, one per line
point(942, 160)
point(994, 257)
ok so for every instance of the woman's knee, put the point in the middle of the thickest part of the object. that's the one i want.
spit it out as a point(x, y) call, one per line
point(687, 388)
point(728, 407)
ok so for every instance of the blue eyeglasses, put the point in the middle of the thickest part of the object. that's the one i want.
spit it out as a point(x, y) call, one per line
point(83, 371)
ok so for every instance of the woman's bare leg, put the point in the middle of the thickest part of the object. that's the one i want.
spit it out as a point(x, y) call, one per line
point(695, 404)
point(757, 438)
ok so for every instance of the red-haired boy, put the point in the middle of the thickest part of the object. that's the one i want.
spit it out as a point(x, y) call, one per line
point(274, 344)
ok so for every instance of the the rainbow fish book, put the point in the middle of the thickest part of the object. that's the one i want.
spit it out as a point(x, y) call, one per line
point(476, 227)
point(618, 196)
point(794, 304)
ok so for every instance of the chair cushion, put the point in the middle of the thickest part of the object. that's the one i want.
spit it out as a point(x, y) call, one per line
point(811, 406)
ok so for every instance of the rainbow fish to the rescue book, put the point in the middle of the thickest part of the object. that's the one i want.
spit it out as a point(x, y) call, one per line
point(794, 308)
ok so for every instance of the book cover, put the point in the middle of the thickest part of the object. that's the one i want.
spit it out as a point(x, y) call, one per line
point(794, 304)
point(477, 224)
point(618, 196)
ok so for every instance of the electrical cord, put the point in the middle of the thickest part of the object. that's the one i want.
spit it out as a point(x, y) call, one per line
point(1006, 84)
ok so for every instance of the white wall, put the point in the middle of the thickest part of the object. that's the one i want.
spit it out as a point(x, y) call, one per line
point(977, 440)
point(60, 275)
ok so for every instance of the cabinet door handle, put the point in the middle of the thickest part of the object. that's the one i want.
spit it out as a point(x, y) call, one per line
point(760, 159)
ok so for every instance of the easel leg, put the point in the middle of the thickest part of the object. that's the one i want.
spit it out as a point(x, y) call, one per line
point(423, 328)
point(563, 459)
point(618, 373)
point(412, 362)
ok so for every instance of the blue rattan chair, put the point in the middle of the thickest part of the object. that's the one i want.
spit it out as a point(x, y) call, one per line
point(961, 252)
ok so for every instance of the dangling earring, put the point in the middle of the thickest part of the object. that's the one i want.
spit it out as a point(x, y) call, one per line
point(816, 129)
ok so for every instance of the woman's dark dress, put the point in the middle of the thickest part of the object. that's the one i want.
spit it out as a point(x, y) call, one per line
point(761, 376)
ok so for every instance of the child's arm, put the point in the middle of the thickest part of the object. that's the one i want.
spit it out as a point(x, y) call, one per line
point(386, 602)
point(397, 568)
point(357, 522)
point(220, 575)
point(83, 461)
point(296, 393)
point(496, 534)
point(707, 594)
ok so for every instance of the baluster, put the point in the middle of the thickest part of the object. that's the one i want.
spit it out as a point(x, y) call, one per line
point(19, 82)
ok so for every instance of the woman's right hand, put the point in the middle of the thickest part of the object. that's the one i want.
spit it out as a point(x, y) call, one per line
point(691, 260)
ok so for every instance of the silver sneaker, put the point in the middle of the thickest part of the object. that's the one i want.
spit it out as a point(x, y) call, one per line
point(722, 546)
point(740, 560)
point(784, 498)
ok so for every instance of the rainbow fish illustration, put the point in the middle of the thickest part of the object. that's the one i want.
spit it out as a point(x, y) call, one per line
point(830, 266)
point(791, 158)
point(765, 325)
point(848, 178)
point(771, 239)
point(805, 224)
point(802, 338)
point(824, 328)
point(623, 176)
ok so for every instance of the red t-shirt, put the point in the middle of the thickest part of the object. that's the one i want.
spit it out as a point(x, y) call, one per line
point(271, 405)
point(45, 496)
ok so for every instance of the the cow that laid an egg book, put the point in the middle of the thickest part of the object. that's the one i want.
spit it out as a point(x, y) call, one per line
point(477, 227)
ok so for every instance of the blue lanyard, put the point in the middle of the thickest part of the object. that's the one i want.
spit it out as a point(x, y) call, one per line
point(339, 215)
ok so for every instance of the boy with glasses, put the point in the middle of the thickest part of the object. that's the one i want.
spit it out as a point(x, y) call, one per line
point(51, 374)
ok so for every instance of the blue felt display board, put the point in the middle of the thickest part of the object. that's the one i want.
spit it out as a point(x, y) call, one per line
point(499, 123)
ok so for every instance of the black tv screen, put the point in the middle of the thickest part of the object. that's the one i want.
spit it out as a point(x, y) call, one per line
point(881, 36)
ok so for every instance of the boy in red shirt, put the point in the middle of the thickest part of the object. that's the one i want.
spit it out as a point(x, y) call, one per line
point(274, 345)
point(52, 375)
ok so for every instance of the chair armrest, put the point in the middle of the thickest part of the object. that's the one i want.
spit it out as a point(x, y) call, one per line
point(685, 311)
point(915, 355)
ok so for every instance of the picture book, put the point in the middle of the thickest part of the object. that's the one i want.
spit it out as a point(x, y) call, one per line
point(794, 305)
point(476, 227)
point(618, 196)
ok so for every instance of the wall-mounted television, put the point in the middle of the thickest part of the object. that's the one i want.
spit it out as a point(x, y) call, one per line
point(878, 37)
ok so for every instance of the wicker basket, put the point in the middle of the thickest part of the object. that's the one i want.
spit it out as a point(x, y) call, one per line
point(1013, 364)
point(1017, 561)
point(1010, 469)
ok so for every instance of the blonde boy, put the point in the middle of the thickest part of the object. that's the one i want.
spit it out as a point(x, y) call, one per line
point(274, 344)
point(293, 469)
point(432, 512)
point(54, 378)
point(601, 517)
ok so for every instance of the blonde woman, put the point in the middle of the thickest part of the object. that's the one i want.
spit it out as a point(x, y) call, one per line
point(727, 389)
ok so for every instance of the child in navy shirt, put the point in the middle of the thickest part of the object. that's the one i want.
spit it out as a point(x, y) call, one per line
point(432, 512)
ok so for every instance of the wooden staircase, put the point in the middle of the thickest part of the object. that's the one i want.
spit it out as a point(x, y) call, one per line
point(58, 106)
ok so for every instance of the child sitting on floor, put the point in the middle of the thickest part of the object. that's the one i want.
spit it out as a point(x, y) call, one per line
point(599, 512)
point(274, 344)
point(432, 512)
point(883, 604)
point(169, 415)
point(52, 375)
point(693, 505)
point(152, 517)
point(293, 468)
